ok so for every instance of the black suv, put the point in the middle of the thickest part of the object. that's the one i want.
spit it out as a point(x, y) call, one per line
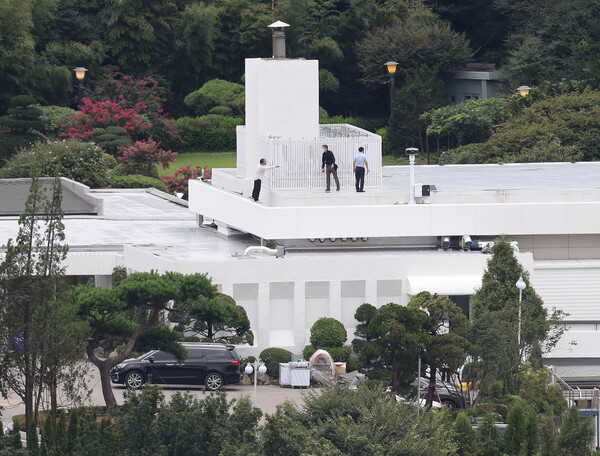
point(209, 364)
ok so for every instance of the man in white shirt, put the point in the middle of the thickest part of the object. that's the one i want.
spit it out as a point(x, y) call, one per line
point(261, 169)
point(360, 163)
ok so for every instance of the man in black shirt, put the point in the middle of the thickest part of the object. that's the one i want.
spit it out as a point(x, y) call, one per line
point(328, 162)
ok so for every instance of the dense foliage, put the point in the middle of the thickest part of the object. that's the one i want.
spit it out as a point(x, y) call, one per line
point(80, 161)
point(272, 357)
point(557, 128)
point(137, 181)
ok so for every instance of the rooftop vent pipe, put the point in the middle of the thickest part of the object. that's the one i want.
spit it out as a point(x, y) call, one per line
point(278, 39)
point(278, 252)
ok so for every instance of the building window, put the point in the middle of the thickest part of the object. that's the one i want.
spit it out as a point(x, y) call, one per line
point(471, 96)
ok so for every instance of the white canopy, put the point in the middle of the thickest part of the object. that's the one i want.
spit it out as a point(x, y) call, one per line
point(447, 285)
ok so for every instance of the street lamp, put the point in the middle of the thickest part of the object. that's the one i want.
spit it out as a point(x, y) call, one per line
point(255, 366)
point(80, 76)
point(523, 90)
point(521, 285)
point(411, 152)
point(392, 67)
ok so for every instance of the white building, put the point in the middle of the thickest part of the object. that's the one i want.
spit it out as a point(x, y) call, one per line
point(346, 248)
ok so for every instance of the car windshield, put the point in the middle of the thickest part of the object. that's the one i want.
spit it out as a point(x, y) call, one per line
point(146, 355)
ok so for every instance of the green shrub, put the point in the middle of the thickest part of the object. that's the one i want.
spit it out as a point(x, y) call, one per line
point(339, 354)
point(82, 162)
point(353, 364)
point(386, 147)
point(308, 351)
point(10, 143)
point(54, 117)
point(373, 385)
point(111, 138)
point(272, 357)
point(210, 133)
point(22, 116)
point(137, 181)
point(328, 332)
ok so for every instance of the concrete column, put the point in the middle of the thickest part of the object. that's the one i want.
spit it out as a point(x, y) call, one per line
point(484, 91)
point(263, 298)
point(335, 299)
point(371, 292)
point(300, 329)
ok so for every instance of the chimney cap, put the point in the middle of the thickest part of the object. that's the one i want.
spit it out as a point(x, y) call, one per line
point(278, 24)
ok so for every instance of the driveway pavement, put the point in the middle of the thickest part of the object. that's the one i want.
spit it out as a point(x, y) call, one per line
point(267, 399)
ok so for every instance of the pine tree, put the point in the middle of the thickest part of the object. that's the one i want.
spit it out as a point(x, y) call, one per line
point(33, 446)
point(73, 432)
point(548, 435)
point(48, 442)
point(493, 333)
point(515, 438)
point(464, 435)
point(575, 437)
point(16, 436)
point(533, 434)
point(61, 435)
point(489, 439)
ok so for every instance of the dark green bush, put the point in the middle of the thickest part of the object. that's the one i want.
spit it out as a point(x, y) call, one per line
point(10, 143)
point(82, 162)
point(272, 357)
point(328, 332)
point(211, 133)
point(111, 138)
point(137, 181)
point(353, 364)
point(22, 115)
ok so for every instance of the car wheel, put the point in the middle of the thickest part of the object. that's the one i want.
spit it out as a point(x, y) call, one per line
point(213, 381)
point(448, 404)
point(134, 380)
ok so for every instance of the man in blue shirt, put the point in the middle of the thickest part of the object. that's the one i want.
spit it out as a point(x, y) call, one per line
point(360, 164)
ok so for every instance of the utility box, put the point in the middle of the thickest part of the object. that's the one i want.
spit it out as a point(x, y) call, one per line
point(418, 189)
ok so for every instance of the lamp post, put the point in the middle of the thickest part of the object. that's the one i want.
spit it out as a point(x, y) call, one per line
point(521, 285)
point(255, 366)
point(80, 76)
point(411, 152)
point(392, 67)
point(523, 90)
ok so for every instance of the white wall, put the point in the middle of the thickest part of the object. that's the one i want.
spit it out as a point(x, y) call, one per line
point(284, 297)
point(282, 99)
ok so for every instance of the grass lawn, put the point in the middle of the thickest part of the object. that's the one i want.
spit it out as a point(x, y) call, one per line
point(210, 159)
point(228, 160)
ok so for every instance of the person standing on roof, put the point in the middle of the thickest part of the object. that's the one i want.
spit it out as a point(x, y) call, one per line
point(328, 163)
point(360, 164)
point(261, 169)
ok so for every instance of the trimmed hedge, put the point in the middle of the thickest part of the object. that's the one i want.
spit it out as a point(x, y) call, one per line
point(137, 181)
point(328, 332)
point(209, 133)
point(272, 357)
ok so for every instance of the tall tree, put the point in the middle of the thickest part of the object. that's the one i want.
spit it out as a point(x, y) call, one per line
point(493, 333)
point(398, 330)
point(31, 297)
point(444, 342)
point(121, 316)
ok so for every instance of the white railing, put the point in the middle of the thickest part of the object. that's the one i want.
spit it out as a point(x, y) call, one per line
point(300, 160)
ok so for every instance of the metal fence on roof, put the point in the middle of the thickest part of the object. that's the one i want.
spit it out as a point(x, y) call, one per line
point(300, 160)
